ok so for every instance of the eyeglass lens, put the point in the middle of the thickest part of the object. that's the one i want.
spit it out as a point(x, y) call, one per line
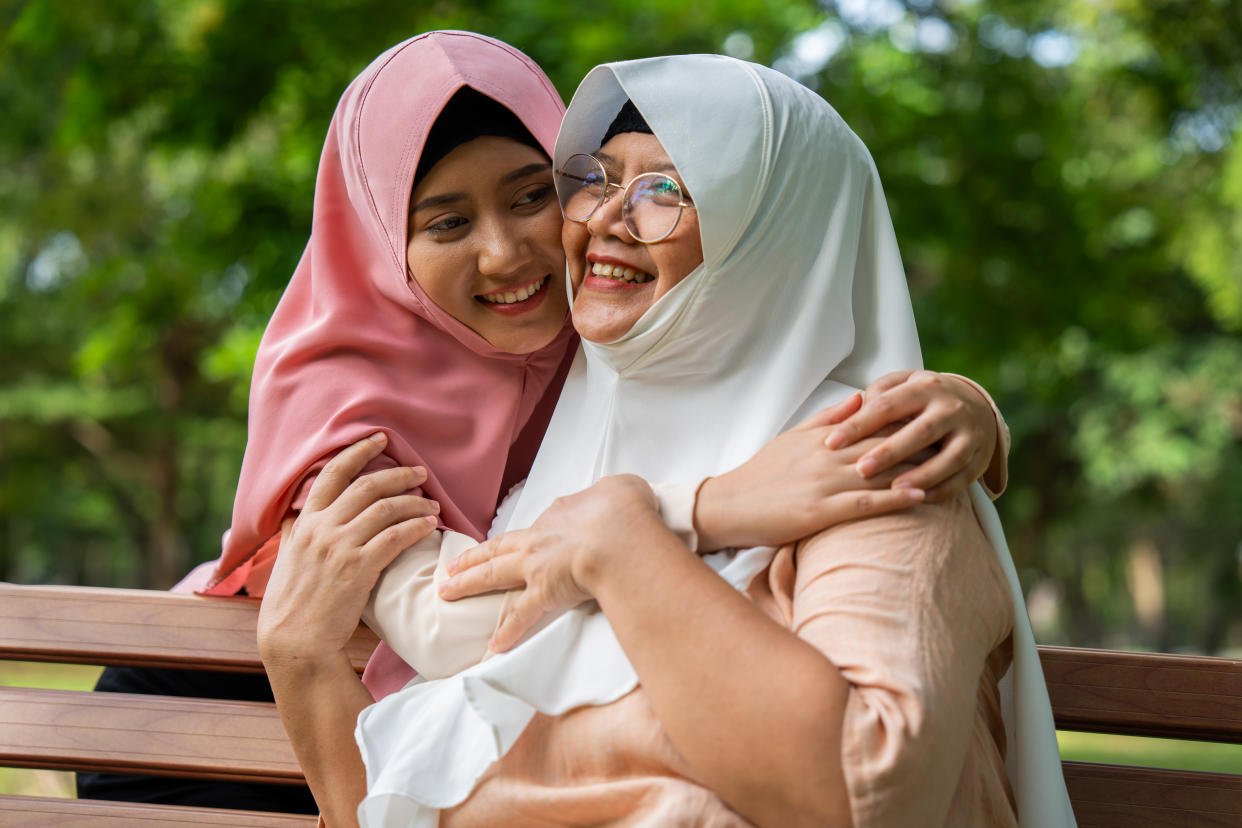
point(651, 206)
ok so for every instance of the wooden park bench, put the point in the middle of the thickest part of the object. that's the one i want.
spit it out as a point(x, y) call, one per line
point(1098, 691)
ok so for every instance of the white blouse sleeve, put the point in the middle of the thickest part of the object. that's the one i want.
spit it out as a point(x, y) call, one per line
point(440, 638)
point(437, 638)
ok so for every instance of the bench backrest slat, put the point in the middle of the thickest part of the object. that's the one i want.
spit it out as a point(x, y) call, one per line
point(124, 733)
point(87, 625)
point(38, 812)
point(1091, 690)
point(1115, 796)
point(1145, 694)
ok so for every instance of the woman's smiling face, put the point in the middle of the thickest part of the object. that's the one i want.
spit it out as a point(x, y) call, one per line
point(608, 298)
point(484, 242)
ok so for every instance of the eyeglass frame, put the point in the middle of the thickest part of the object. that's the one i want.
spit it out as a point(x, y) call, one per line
point(609, 186)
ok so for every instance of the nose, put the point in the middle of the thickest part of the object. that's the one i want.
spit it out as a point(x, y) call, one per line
point(608, 221)
point(503, 249)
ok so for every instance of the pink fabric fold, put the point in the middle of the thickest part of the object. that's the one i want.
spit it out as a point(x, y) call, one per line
point(355, 346)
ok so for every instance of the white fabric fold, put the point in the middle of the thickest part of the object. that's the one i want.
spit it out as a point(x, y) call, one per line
point(800, 300)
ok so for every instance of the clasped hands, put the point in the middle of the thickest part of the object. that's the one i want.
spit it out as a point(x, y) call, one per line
point(817, 474)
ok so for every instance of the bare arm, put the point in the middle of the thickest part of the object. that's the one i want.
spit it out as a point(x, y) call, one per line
point(329, 560)
point(919, 435)
point(761, 713)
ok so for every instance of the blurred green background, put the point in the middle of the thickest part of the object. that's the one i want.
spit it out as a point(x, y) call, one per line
point(1065, 177)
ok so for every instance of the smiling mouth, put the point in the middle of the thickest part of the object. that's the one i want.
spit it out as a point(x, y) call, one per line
point(620, 273)
point(512, 297)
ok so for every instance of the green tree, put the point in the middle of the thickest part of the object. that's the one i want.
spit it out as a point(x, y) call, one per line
point(1065, 178)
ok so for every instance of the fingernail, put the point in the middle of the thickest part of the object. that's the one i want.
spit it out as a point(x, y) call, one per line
point(867, 467)
point(916, 495)
point(379, 437)
point(444, 586)
point(835, 439)
point(419, 470)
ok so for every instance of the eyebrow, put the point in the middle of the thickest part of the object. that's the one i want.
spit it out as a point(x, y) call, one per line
point(507, 178)
point(608, 161)
point(437, 200)
point(522, 172)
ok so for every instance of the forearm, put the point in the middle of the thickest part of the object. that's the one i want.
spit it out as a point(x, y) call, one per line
point(319, 705)
point(767, 737)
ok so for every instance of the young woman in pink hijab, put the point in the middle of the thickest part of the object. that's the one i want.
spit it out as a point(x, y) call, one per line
point(438, 320)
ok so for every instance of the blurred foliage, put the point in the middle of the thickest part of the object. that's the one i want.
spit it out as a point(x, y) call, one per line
point(1065, 178)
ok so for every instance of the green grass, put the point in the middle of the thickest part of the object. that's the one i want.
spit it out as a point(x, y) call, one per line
point(1153, 753)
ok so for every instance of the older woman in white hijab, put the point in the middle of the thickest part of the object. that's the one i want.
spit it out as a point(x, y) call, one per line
point(857, 676)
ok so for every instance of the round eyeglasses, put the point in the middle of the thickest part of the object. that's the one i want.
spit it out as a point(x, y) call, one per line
point(651, 203)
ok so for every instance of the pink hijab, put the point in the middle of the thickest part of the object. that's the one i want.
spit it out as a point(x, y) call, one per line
point(356, 346)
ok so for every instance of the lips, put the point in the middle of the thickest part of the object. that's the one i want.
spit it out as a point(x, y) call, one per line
point(513, 297)
point(620, 272)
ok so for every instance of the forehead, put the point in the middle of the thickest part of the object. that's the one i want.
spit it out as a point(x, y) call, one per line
point(635, 151)
point(480, 162)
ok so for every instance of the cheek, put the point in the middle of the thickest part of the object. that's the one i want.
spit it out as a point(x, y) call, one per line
point(549, 232)
point(679, 256)
point(431, 269)
point(575, 237)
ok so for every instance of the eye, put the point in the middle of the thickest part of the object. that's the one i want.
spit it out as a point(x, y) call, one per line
point(447, 225)
point(534, 197)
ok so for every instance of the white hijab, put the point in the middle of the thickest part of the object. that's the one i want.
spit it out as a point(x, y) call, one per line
point(800, 300)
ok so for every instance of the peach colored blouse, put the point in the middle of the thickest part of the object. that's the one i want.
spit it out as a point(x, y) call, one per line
point(914, 610)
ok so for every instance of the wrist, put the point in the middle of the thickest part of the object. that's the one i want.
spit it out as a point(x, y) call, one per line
point(299, 659)
point(711, 514)
point(644, 533)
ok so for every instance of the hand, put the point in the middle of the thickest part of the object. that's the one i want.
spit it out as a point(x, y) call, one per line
point(331, 556)
point(932, 409)
point(796, 486)
point(555, 560)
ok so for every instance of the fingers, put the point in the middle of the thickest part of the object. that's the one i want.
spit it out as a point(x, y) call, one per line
point(487, 571)
point(833, 414)
point(387, 512)
point(386, 545)
point(890, 380)
point(286, 529)
point(513, 627)
point(878, 411)
point(856, 505)
point(957, 455)
point(341, 469)
point(955, 484)
point(372, 488)
point(915, 435)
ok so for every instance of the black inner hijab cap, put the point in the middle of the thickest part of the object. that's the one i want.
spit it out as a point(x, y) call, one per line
point(470, 114)
point(629, 119)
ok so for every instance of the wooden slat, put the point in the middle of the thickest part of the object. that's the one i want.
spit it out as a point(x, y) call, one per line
point(88, 625)
point(1116, 796)
point(34, 812)
point(123, 732)
point(1145, 694)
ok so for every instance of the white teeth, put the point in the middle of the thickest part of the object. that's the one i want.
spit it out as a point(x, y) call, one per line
point(519, 295)
point(620, 273)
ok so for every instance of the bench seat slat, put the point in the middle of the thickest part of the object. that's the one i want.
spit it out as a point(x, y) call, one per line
point(1145, 694)
point(143, 628)
point(1118, 796)
point(123, 732)
point(37, 812)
